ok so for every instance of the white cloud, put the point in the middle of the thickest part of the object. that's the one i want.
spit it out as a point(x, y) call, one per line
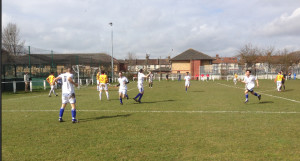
point(284, 25)
point(154, 26)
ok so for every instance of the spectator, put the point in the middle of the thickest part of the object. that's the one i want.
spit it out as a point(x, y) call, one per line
point(179, 77)
point(26, 80)
point(294, 76)
point(207, 76)
point(202, 77)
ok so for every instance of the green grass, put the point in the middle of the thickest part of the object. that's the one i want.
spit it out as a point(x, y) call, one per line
point(210, 122)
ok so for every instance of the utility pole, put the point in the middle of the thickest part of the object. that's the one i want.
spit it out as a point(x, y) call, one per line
point(29, 62)
point(52, 60)
point(112, 53)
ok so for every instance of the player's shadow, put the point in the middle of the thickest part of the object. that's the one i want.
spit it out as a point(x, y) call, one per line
point(264, 102)
point(287, 90)
point(102, 117)
point(159, 101)
point(197, 91)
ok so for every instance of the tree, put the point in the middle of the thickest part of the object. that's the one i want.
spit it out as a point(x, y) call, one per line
point(11, 40)
point(286, 60)
point(268, 58)
point(248, 56)
point(131, 58)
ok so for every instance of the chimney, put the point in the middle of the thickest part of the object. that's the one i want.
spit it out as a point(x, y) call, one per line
point(217, 56)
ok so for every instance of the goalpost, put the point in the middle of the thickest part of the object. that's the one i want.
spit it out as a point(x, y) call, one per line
point(94, 70)
point(77, 70)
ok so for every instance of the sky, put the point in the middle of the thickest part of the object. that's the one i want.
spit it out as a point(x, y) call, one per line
point(160, 28)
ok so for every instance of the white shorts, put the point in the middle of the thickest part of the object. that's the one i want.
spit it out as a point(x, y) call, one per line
point(68, 98)
point(123, 91)
point(103, 86)
point(187, 84)
point(52, 87)
point(279, 83)
point(234, 79)
point(141, 88)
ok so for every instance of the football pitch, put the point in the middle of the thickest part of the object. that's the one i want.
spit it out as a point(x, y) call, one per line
point(209, 122)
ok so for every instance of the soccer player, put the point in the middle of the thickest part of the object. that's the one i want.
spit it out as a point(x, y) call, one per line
point(68, 94)
point(51, 81)
point(97, 78)
point(103, 85)
point(123, 81)
point(187, 79)
point(283, 80)
point(141, 77)
point(235, 79)
point(249, 80)
point(151, 75)
point(278, 79)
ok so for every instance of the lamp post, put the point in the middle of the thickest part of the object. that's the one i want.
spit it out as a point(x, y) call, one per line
point(112, 53)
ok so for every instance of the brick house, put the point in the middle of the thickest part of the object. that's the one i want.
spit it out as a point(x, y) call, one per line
point(228, 64)
point(190, 61)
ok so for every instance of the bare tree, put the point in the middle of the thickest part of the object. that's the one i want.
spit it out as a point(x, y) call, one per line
point(11, 40)
point(268, 57)
point(286, 60)
point(248, 55)
point(296, 56)
point(131, 58)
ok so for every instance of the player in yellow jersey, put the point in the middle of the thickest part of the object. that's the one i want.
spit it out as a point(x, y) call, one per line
point(278, 79)
point(235, 79)
point(103, 79)
point(97, 78)
point(51, 82)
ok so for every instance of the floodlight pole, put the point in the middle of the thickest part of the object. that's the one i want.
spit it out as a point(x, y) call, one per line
point(112, 53)
point(29, 61)
point(51, 60)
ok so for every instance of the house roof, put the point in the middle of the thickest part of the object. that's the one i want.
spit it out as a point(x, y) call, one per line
point(192, 54)
point(62, 59)
point(295, 55)
point(227, 60)
point(148, 62)
point(162, 69)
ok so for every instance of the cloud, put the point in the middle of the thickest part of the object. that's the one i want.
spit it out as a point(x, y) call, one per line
point(287, 25)
point(153, 26)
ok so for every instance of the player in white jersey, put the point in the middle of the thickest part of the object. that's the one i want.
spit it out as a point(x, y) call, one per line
point(250, 80)
point(123, 81)
point(68, 94)
point(140, 84)
point(151, 75)
point(187, 79)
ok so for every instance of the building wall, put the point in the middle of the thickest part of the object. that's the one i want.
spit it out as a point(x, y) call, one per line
point(182, 66)
point(205, 62)
point(196, 67)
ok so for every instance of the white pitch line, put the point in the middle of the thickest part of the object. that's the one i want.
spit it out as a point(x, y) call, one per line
point(134, 111)
point(22, 97)
point(262, 93)
point(14, 99)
